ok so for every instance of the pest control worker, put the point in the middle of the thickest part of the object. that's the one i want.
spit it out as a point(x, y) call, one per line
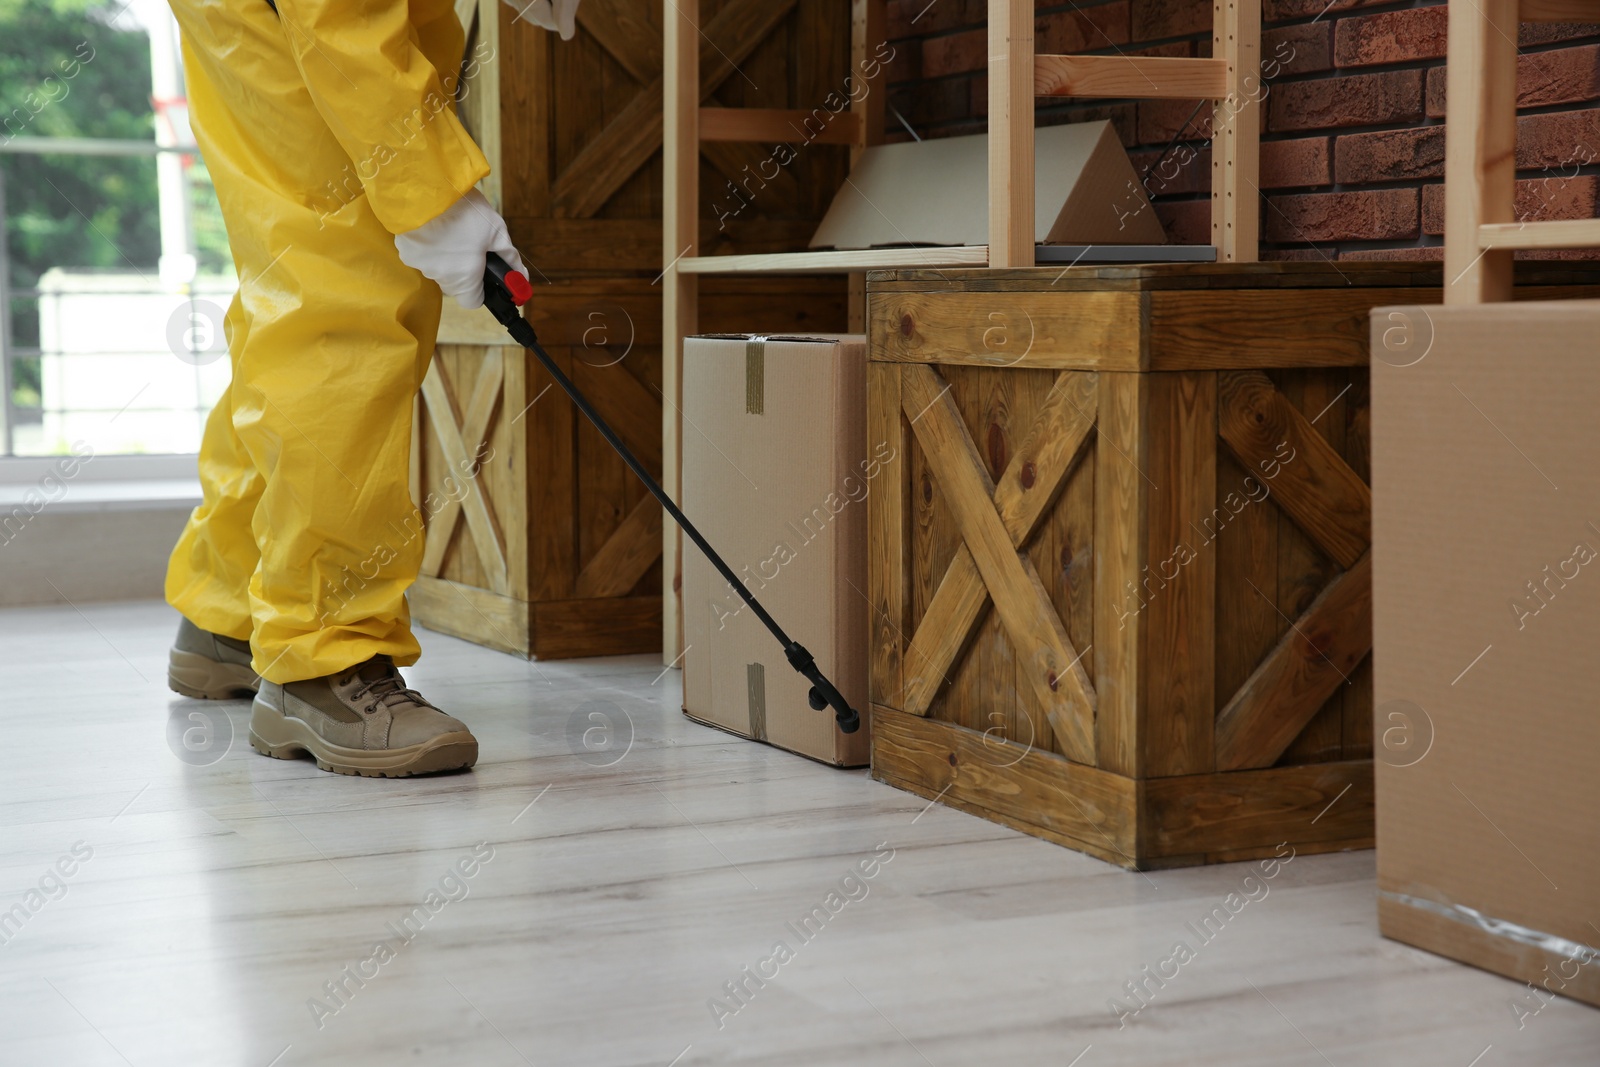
point(346, 183)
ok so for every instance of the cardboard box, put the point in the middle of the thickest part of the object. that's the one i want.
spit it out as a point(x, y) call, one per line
point(776, 472)
point(1486, 601)
point(936, 192)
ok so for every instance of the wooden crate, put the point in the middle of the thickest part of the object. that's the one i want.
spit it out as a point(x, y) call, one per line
point(555, 550)
point(1120, 573)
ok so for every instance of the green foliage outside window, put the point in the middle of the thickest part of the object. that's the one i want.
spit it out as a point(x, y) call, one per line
point(66, 72)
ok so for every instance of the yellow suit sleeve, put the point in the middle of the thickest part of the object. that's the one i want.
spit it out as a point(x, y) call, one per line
point(368, 70)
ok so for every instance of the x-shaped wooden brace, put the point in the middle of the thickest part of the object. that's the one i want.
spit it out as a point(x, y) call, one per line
point(995, 522)
point(474, 427)
point(631, 138)
point(1331, 503)
point(635, 415)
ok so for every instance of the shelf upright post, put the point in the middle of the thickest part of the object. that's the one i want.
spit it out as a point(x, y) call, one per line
point(1011, 228)
point(680, 297)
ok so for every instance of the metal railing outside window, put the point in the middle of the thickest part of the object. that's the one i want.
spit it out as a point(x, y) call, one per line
point(114, 272)
point(116, 357)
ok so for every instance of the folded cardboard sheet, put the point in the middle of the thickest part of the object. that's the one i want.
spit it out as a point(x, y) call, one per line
point(936, 192)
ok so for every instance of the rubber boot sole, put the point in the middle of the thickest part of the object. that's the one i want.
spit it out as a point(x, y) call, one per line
point(274, 734)
point(203, 678)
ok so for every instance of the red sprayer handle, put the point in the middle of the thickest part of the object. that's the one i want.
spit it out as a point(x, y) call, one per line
point(515, 283)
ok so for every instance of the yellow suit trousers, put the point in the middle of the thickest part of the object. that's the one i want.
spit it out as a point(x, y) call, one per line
point(327, 127)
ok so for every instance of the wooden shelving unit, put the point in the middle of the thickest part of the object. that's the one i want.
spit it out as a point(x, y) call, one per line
point(1017, 77)
point(1481, 233)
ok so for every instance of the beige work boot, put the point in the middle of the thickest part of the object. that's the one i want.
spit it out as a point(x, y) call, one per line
point(360, 721)
point(208, 666)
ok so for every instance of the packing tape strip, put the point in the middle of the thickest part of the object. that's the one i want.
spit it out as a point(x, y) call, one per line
point(755, 676)
point(1460, 913)
point(755, 376)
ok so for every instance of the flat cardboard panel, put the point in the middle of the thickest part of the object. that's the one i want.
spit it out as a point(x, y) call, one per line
point(1486, 470)
point(774, 448)
point(936, 192)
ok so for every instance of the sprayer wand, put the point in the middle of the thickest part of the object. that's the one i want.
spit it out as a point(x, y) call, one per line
point(504, 293)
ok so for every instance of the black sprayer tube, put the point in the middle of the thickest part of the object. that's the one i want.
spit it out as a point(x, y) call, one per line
point(504, 291)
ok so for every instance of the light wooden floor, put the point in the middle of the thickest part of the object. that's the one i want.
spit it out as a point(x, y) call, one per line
point(218, 899)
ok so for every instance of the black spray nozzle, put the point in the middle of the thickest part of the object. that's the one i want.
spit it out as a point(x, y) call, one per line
point(822, 694)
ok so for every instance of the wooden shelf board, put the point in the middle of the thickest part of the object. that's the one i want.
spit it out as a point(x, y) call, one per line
point(771, 125)
point(837, 262)
point(840, 262)
point(1068, 255)
point(1143, 77)
point(1565, 233)
point(1558, 11)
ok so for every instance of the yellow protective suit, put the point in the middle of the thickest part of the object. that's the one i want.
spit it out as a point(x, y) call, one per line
point(327, 128)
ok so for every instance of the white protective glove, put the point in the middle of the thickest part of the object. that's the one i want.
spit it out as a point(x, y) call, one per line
point(559, 16)
point(452, 248)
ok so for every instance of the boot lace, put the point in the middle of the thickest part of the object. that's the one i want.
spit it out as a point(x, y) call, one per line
point(388, 690)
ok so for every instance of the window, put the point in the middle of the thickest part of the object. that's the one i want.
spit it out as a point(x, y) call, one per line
point(115, 274)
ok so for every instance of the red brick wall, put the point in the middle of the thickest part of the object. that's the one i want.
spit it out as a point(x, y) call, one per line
point(1352, 146)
